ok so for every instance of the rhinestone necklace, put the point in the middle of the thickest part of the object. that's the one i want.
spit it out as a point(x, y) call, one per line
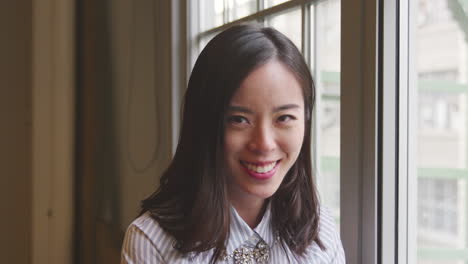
point(260, 254)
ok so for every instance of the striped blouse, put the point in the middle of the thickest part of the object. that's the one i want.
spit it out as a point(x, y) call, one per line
point(146, 242)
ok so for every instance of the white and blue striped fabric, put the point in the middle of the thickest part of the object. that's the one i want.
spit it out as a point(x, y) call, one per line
point(146, 242)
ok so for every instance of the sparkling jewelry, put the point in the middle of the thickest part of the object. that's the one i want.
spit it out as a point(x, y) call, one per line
point(243, 255)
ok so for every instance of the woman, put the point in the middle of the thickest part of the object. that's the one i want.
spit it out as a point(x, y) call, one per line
point(239, 188)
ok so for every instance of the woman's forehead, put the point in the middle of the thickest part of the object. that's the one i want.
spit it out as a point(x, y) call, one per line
point(270, 83)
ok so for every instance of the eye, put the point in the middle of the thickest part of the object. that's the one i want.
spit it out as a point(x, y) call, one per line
point(286, 118)
point(236, 119)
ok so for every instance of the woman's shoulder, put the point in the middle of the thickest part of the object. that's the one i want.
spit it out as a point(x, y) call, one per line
point(147, 242)
point(145, 222)
point(150, 228)
point(327, 223)
point(330, 237)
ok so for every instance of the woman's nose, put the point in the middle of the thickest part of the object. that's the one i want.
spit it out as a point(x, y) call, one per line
point(262, 140)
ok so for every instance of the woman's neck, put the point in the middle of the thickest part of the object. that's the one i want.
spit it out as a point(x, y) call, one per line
point(250, 211)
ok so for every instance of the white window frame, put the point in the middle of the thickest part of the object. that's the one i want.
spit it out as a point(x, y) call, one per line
point(407, 122)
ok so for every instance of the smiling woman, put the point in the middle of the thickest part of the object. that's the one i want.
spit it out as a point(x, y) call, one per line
point(240, 188)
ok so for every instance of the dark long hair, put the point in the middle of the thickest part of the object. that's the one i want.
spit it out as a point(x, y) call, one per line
point(191, 202)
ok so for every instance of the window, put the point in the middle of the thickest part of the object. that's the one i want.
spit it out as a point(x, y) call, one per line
point(441, 157)
point(314, 27)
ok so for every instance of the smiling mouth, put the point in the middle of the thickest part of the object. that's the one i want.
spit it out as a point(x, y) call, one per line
point(261, 168)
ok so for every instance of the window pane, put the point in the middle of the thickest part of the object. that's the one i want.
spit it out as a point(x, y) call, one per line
point(288, 23)
point(241, 8)
point(325, 62)
point(270, 3)
point(204, 40)
point(211, 14)
point(215, 13)
point(442, 154)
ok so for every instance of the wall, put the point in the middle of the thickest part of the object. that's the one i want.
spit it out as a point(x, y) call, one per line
point(125, 115)
point(15, 127)
point(140, 79)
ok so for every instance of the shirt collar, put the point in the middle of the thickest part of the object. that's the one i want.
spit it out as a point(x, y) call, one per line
point(240, 231)
point(264, 229)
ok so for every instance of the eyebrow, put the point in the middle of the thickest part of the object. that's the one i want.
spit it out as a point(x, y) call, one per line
point(236, 108)
point(285, 107)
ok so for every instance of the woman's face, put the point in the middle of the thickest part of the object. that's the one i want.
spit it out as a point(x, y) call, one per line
point(264, 131)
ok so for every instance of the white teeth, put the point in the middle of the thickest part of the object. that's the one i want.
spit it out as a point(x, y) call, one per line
point(260, 169)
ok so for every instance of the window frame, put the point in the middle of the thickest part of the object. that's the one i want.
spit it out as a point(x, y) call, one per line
point(406, 227)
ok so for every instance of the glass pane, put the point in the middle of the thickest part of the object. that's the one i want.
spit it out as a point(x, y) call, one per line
point(288, 23)
point(211, 14)
point(270, 3)
point(215, 13)
point(325, 62)
point(442, 133)
point(206, 39)
point(241, 8)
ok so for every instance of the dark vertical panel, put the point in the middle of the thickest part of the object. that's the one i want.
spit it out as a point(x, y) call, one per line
point(86, 139)
point(15, 127)
point(97, 175)
point(105, 117)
